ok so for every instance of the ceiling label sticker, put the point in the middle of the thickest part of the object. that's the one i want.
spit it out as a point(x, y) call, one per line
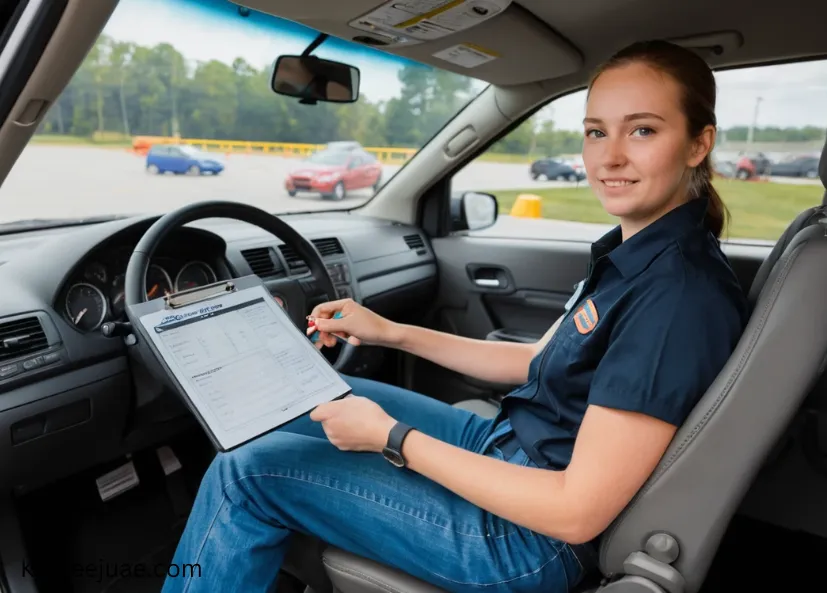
point(427, 20)
point(467, 55)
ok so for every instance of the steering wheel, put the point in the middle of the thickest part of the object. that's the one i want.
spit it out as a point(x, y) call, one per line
point(295, 291)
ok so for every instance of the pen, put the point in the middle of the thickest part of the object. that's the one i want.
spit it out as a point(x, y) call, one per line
point(314, 337)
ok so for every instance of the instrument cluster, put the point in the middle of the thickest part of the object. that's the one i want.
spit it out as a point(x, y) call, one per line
point(96, 294)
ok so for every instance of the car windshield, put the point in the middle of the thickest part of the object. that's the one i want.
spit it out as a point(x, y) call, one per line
point(194, 152)
point(335, 158)
point(194, 78)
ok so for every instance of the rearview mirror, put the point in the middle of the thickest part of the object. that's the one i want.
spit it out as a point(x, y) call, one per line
point(313, 79)
point(473, 211)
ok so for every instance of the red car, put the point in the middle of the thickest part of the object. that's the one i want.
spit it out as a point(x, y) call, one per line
point(333, 173)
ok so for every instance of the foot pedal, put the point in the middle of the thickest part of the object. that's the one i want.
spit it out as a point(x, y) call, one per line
point(117, 481)
point(177, 491)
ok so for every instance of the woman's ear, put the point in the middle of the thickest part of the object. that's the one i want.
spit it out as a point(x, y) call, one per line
point(702, 146)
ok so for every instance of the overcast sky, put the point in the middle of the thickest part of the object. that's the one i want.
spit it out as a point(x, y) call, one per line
point(792, 95)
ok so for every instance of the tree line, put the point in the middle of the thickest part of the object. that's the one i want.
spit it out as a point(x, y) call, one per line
point(124, 89)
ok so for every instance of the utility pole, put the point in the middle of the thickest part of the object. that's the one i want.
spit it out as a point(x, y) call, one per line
point(754, 121)
point(123, 103)
point(176, 132)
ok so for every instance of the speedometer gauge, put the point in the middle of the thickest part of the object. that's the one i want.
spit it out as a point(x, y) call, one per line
point(158, 283)
point(193, 275)
point(85, 306)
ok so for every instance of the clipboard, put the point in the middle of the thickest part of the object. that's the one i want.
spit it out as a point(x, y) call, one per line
point(224, 304)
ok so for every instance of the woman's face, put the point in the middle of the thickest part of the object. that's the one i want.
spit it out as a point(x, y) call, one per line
point(637, 149)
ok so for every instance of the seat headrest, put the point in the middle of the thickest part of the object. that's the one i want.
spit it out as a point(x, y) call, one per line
point(822, 166)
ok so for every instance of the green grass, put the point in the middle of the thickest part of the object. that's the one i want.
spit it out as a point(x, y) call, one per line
point(758, 210)
point(512, 159)
point(57, 140)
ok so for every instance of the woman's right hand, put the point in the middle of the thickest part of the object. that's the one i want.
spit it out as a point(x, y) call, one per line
point(357, 324)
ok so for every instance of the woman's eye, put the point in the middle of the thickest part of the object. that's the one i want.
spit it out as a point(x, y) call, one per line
point(594, 134)
point(644, 131)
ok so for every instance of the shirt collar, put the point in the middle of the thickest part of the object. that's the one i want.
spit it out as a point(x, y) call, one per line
point(634, 254)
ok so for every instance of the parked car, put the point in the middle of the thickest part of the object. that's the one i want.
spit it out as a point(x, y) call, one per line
point(181, 159)
point(749, 166)
point(333, 172)
point(802, 166)
point(556, 169)
point(723, 168)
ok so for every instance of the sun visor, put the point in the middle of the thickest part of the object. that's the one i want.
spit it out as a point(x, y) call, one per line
point(492, 40)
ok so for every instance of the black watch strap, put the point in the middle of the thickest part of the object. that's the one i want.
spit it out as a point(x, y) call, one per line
point(393, 450)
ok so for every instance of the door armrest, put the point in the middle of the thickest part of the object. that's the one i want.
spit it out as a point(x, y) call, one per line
point(513, 335)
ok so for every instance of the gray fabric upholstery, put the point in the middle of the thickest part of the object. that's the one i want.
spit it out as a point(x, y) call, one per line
point(352, 574)
point(808, 217)
point(484, 408)
point(714, 457)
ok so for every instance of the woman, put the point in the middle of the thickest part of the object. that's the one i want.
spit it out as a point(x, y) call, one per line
point(514, 503)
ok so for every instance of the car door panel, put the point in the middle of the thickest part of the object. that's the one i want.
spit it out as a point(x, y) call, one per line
point(541, 276)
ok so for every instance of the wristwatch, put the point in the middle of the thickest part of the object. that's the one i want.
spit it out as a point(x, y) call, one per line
point(393, 450)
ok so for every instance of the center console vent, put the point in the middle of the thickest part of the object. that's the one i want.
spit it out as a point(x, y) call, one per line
point(326, 248)
point(263, 262)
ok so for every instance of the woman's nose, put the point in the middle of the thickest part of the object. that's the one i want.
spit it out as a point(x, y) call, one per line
point(614, 154)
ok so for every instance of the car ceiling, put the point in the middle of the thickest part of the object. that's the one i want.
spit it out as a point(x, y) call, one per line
point(545, 39)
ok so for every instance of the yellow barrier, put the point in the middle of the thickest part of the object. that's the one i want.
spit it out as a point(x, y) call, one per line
point(527, 206)
point(141, 144)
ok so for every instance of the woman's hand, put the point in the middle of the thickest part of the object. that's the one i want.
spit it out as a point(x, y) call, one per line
point(357, 325)
point(354, 424)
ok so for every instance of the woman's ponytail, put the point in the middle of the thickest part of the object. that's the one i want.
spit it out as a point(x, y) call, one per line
point(717, 214)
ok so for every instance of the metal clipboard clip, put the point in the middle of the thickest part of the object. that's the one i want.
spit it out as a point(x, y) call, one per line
point(198, 294)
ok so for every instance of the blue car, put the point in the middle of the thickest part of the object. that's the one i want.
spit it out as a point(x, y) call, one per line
point(181, 160)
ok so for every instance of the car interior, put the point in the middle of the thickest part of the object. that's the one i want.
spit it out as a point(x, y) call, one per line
point(738, 500)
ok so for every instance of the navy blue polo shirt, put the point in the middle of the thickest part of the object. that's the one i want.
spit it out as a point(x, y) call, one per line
point(657, 318)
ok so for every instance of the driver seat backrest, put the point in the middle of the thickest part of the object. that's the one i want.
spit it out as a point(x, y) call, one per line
point(667, 537)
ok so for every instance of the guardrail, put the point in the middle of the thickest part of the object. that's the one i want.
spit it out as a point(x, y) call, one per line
point(141, 144)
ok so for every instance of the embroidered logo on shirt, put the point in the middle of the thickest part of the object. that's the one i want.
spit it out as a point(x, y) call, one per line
point(586, 317)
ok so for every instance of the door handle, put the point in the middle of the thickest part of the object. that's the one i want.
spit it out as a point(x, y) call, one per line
point(489, 277)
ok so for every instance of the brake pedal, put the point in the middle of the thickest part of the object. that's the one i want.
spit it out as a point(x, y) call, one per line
point(179, 494)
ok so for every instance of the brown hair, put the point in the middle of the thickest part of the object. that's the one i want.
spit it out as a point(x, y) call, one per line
point(698, 95)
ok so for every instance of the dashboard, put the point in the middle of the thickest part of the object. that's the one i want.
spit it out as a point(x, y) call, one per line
point(73, 396)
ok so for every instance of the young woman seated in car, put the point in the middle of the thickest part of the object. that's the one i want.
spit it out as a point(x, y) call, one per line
point(514, 503)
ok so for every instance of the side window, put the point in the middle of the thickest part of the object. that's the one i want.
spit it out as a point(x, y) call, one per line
point(772, 122)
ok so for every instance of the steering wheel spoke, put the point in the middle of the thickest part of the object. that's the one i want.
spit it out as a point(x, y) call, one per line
point(290, 294)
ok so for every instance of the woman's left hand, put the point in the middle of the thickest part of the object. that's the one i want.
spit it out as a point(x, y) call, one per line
point(354, 424)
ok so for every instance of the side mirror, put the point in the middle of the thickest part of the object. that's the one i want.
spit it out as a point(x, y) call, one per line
point(313, 79)
point(473, 211)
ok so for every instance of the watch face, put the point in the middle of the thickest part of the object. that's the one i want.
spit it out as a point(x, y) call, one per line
point(394, 457)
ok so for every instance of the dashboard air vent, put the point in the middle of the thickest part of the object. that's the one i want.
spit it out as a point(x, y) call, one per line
point(21, 337)
point(295, 264)
point(262, 262)
point(416, 243)
point(328, 247)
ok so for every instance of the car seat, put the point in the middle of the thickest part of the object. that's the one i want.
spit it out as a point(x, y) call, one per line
point(666, 538)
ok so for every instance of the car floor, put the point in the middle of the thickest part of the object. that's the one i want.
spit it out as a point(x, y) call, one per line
point(67, 527)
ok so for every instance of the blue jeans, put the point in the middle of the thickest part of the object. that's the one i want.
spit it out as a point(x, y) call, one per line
point(294, 479)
